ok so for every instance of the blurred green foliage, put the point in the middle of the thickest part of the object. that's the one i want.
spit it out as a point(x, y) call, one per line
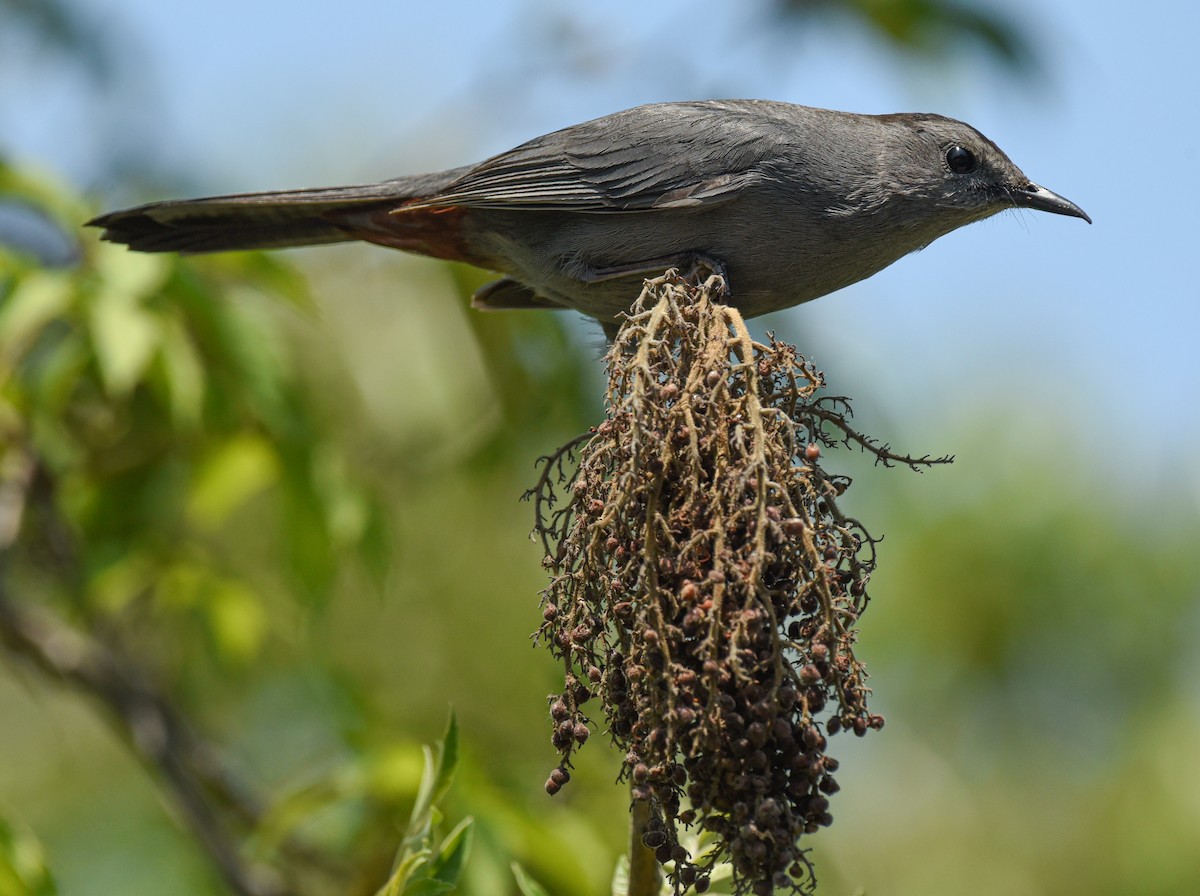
point(924, 28)
point(150, 414)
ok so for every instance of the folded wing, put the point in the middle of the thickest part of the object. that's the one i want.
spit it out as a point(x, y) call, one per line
point(677, 155)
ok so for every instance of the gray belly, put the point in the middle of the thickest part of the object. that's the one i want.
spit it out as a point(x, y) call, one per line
point(793, 260)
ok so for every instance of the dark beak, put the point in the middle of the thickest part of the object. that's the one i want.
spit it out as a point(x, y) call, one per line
point(1043, 200)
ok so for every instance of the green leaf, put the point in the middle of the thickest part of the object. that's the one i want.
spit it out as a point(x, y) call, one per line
point(136, 275)
point(236, 471)
point(421, 820)
point(439, 773)
point(43, 192)
point(115, 583)
point(36, 299)
point(183, 374)
point(429, 886)
point(268, 273)
point(415, 847)
point(124, 336)
point(408, 866)
point(530, 887)
point(447, 759)
point(448, 865)
point(23, 870)
point(237, 619)
point(620, 878)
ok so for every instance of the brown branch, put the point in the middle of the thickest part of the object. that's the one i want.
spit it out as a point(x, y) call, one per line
point(206, 795)
point(151, 727)
point(883, 454)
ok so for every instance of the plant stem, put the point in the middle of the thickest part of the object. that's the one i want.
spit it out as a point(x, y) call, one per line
point(645, 877)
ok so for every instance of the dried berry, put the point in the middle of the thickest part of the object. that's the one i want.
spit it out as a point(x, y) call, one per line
point(706, 585)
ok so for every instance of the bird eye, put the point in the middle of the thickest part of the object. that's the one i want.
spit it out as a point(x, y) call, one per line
point(960, 160)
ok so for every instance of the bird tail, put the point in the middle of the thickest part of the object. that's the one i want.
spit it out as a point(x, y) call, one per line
point(257, 220)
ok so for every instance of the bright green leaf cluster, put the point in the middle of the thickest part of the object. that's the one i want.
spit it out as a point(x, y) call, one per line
point(423, 866)
point(149, 404)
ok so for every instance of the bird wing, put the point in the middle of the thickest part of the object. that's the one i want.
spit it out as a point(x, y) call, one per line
point(665, 156)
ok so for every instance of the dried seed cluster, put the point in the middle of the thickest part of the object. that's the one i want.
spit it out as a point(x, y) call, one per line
point(705, 587)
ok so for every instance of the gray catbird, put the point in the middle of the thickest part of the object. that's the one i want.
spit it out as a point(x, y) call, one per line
point(792, 202)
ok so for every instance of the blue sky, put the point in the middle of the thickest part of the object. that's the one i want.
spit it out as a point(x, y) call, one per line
point(1100, 324)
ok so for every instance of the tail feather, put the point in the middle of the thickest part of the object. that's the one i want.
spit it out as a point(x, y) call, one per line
point(247, 221)
point(257, 220)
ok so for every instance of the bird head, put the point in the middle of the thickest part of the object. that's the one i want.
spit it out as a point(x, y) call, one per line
point(957, 172)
